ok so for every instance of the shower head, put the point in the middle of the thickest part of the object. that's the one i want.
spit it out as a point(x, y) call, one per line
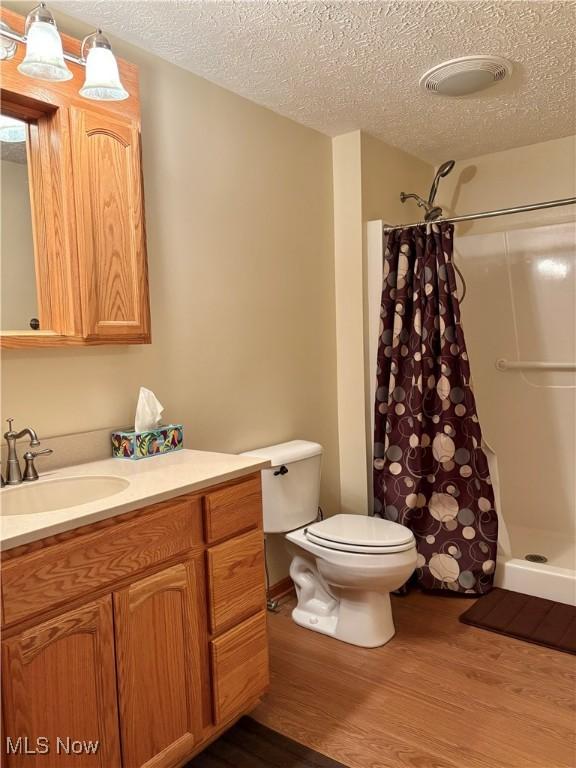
point(433, 213)
point(444, 170)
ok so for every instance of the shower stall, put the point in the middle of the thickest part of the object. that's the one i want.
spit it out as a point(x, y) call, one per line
point(519, 317)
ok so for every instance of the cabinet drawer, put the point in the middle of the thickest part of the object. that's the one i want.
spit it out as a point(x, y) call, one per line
point(239, 667)
point(232, 510)
point(236, 580)
point(59, 573)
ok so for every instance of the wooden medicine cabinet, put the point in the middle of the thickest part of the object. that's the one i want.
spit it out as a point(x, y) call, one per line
point(73, 248)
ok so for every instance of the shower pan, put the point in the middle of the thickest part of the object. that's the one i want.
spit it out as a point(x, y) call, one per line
point(551, 575)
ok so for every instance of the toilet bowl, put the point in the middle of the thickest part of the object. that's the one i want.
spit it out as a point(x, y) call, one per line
point(343, 580)
point(343, 567)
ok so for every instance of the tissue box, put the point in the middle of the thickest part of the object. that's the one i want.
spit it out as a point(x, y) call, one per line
point(142, 445)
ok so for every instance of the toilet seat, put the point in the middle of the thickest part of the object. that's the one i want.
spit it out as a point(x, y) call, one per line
point(360, 534)
point(357, 548)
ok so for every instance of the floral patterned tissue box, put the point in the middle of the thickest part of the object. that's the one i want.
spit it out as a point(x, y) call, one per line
point(142, 445)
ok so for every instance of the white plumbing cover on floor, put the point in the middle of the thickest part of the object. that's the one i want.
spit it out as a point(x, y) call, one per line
point(361, 531)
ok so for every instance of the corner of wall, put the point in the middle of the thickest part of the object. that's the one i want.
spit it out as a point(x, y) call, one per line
point(368, 177)
point(348, 257)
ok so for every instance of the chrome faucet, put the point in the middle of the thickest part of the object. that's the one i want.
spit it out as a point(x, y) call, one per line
point(13, 470)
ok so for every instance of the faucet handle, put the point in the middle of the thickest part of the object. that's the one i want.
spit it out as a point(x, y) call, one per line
point(43, 452)
point(30, 472)
point(10, 431)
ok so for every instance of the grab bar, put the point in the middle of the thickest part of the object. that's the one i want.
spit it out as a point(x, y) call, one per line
point(531, 365)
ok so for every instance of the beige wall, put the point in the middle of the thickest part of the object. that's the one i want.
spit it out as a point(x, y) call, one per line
point(347, 170)
point(368, 179)
point(386, 172)
point(240, 249)
point(530, 174)
point(18, 292)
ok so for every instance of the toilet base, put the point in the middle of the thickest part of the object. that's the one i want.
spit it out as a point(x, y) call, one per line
point(356, 616)
point(359, 618)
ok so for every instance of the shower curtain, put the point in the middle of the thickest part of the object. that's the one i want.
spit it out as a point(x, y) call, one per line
point(430, 472)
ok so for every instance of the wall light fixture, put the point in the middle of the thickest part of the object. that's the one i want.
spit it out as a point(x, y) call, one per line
point(45, 57)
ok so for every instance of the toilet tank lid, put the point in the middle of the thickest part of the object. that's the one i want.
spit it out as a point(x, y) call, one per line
point(285, 453)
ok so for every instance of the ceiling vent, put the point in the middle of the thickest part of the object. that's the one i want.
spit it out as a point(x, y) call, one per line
point(468, 74)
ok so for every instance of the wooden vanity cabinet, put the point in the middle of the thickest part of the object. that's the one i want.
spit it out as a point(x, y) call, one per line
point(59, 681)
point(127, 635)
point(159, 636)
point(87, 209)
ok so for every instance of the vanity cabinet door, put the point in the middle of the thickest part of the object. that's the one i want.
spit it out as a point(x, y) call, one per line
point(59, 692)
point(161, 657)
point(110, 227)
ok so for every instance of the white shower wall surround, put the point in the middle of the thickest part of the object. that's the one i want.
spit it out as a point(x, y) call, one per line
point(520, 305)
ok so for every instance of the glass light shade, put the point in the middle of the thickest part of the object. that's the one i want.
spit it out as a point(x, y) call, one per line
point(44, 55)
point(12, 131)
point(102, 77)
point(7, 46)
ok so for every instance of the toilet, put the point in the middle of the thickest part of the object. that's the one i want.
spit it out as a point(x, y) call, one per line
point(343, 567)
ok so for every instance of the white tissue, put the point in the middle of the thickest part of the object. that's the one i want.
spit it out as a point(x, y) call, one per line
point(148, 411)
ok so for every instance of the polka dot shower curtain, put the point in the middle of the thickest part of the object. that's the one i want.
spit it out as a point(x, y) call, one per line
point(430, 472)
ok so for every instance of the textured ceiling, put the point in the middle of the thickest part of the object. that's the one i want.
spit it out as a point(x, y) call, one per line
point(339, 66)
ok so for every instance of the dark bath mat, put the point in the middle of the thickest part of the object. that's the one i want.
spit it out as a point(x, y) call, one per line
point(534, 619)
point(251, 745)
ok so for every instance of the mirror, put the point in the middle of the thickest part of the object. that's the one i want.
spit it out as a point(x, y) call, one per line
point(18, 294)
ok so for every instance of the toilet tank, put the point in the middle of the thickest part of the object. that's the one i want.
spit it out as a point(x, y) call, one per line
point(291, 487)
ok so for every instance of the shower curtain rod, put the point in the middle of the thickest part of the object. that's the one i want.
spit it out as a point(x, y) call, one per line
point(488, 214)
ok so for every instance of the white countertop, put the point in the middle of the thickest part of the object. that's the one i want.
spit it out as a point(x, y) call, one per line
point(151, 480)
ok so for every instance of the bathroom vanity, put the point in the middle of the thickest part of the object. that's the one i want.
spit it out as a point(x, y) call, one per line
point(144, 629)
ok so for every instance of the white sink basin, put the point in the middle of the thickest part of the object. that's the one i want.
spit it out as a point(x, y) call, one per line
point(60, 493)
